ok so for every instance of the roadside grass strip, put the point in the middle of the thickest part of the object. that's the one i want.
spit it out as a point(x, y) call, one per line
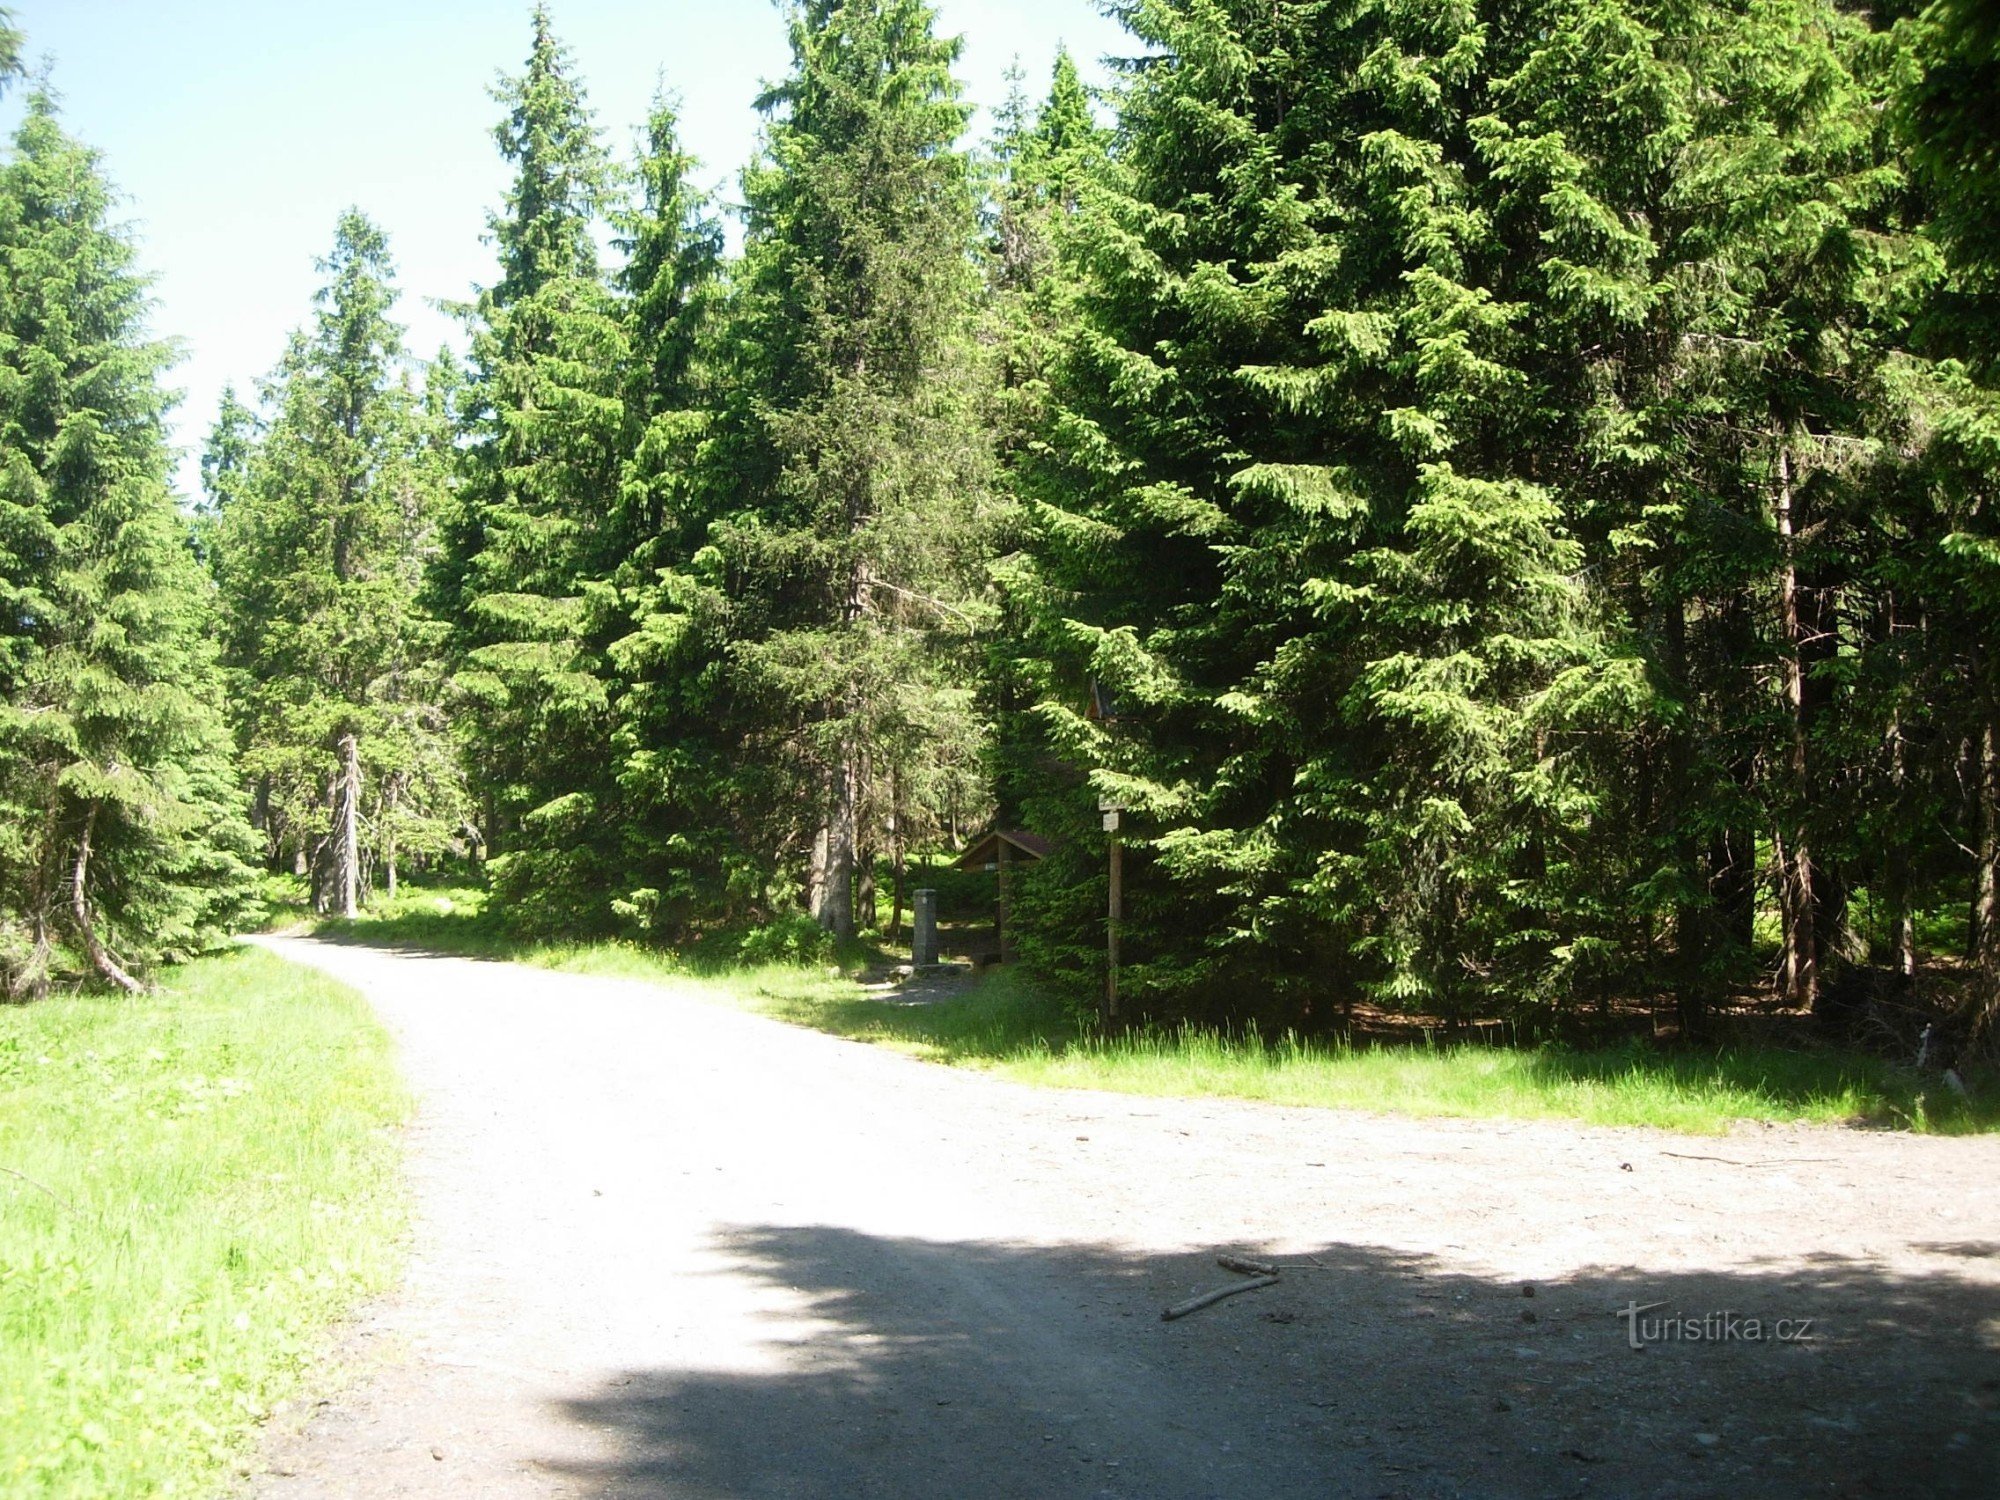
point(196, 1184)
point(1007, 1026)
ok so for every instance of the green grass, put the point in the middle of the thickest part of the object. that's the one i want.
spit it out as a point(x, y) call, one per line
point(1007, 1027)
point(455, 919)
point(1694, 1092)
point(1004, 1026)
point(208, 1177)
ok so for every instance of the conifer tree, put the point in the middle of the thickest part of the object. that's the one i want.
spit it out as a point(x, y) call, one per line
point(225, 455)
point(534, 521)
point(1046, 160)
point(1280, 452)
point(319, 542)
point(1954, 131)
point(852, 559)
point(122, 838)
point(1724, 242)
point(659, 610)
point(1042, 158)
point(1951, 126)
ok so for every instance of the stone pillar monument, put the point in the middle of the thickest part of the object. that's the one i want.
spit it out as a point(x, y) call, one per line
point(924, 949)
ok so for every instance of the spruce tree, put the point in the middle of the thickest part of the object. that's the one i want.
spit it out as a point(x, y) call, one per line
point(659, 611)
point(853, 557)
point(122, 838)
point(536, 507)
point(1950, 122)
point(319, 541)
point(1723, 282)
point(1953, 131)
point(1280, 449)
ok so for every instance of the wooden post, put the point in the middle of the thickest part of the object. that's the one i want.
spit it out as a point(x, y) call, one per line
point(1114, 915)
point(1111, 928)
point(1002, 939)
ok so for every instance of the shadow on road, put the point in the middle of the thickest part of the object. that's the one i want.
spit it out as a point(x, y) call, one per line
point(976, 1369)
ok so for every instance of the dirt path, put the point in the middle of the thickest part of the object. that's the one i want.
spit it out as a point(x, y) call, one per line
point(665, 1248)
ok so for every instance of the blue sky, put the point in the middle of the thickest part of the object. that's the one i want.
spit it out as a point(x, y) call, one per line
point(237, 131)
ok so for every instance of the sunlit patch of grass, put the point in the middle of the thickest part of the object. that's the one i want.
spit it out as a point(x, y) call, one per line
point(1005, 1025)
point(198, 1182)
point(1695, 1092)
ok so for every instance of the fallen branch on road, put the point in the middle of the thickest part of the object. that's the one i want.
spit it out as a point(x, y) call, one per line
point(1246, 1267)
point(1209, 1299)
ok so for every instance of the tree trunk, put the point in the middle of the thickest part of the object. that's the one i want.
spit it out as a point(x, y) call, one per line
point(1987, 905)
point(1733, 872)
point(1818, 645)
point(31, 980)
point(864, 889)
point(1903, 939)
point(897, 855)
point(79, 907)
point(347, 828)
point(1003, 924)
point(1896, 873)
point(835, 875)
point(392, 797)
point(1798, 889)
point(816, 873)
point(1692, 916)
point(264, 823)
point(834, 850)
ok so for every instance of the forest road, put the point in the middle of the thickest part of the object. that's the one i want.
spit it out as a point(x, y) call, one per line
point(666, 1248)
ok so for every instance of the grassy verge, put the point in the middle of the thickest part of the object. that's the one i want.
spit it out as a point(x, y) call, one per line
point(1005, 1026)
point(197, 1183)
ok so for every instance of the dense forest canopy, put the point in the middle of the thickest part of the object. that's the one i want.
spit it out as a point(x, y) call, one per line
point(1501, 497)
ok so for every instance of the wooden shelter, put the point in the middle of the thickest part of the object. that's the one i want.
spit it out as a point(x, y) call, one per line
point(1000, 851)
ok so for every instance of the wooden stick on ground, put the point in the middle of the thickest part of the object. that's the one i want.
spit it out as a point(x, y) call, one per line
point(1246, 1267)
point(1209, 1299)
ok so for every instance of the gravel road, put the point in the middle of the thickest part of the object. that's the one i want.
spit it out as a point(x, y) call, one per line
point(665, 1248)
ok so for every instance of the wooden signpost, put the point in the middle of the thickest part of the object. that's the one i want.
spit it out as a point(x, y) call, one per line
point(1111, 810)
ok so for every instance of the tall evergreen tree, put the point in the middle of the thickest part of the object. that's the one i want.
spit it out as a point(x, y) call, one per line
point(1303, 608)
point(1951, 124)
point(225, 456)
point(1954, 130)
point(659, 610)
point(537, 502)
point(1723, 281)
point(319, 543)
point(122, 838)
point(853, 556)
